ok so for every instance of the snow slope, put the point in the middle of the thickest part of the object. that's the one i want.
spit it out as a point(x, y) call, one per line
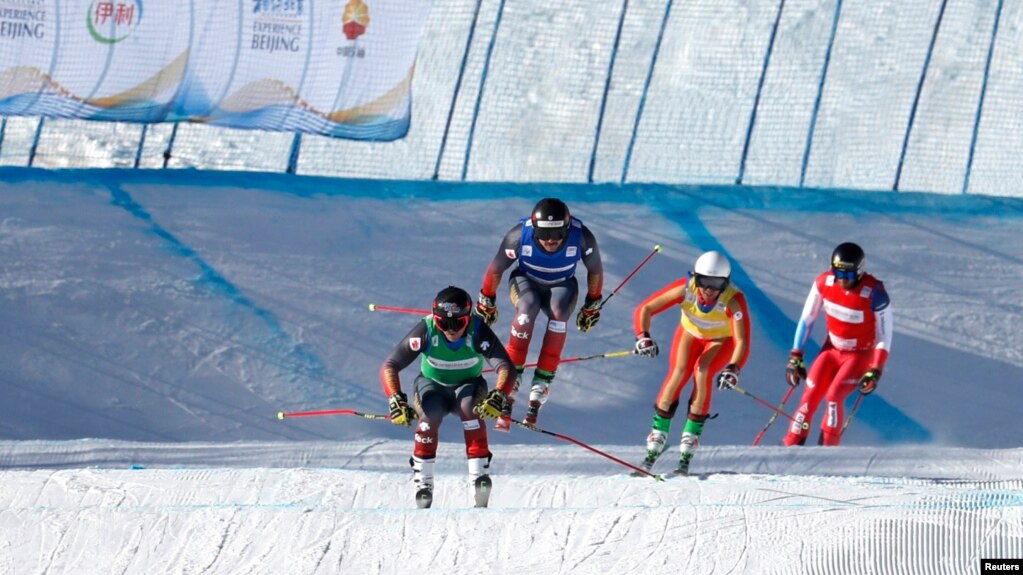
point(152, 325)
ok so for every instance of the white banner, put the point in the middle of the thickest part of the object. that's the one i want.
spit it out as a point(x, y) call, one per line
point(341, 68)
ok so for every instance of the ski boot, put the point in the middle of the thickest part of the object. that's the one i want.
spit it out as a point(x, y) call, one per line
point(655, 443)
point(690, 442)
point(532, 412)
point(683, 465)
point(481, 482)
point(504, 422)
point(538, 393)
point(422, 478)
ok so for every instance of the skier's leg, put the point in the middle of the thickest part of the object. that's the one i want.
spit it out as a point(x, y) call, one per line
point(709, 356)
point(844, 384)
point(680, 365)
point(433, 402)
point(822, 371)
point(477, 449)
point(557, 303)
point(526, 297)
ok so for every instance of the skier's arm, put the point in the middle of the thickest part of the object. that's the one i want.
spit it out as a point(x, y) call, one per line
point(506, 255)
point(403, 354)
point(594, 265)
point(811, 309)
point(882, 324)
point(490, 348)
point(740, 329)
point(659, 301)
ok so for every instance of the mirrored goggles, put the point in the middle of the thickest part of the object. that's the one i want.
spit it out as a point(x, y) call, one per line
point(546, 234)
point(456, 323)
point(847, 275)
point(711, 282)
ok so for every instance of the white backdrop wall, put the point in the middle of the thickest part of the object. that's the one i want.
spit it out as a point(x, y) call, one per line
point(913, 95)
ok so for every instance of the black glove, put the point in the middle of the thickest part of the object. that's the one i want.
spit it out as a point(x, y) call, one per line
point(401, 413)
point(645, 345)
point(589, 315)
point(486, 308)
point(868, 383)
point(729, 377)
point(493, 405)
point(795, 371)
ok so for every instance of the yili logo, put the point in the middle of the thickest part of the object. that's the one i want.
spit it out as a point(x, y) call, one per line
point(355, 19)
point(111, 22)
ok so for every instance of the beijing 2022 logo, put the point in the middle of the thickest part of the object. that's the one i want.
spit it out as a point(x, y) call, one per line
point(111, 22)
point(355, 19)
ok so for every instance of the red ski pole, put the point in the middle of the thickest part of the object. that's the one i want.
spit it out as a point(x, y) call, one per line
point(768, 405)
point(584, 446)
point(657, 249)
point(582, 358)
point(774, 415)
point(282, 414)
point(848, 419)
point(375, 307)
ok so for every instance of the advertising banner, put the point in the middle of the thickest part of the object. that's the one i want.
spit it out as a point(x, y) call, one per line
point(338, 68)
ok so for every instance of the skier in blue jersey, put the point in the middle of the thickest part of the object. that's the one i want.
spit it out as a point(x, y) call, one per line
point(544, 250)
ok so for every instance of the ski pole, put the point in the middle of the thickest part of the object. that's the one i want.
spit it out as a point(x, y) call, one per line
point(852, 413)
point(657, 249)
point(774, 415)
point(583, 358)
point(768, 405)
point(282, 415)
point(375, 307)
point(583, 445)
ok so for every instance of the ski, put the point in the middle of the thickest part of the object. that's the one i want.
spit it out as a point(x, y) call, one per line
point(482, 487)
point(424, 498)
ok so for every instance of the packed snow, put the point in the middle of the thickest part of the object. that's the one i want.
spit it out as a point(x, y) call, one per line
point(154, 323)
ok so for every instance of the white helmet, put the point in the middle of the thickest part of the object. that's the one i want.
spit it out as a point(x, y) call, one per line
point(713, 264)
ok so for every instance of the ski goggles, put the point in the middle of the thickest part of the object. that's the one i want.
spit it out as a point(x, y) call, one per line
point(453, 323)
point(711, 282)
point(847, 275)
point(544, 233)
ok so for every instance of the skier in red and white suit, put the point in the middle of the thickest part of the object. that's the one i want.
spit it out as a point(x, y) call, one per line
point(859, 323)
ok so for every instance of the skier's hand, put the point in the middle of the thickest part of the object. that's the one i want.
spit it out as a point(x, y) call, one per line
point(729, 377)
point(795, 371)
point(868, 383)
point(401, 413)
point(589, 315)
point(486, 308)
point(645, 345)
point(493, 405)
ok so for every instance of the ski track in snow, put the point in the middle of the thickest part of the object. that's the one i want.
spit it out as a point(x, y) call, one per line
point(319, 520)
point(591, 518)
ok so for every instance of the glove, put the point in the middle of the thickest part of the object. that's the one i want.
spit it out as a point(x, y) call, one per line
point(729, 377)
point(795, 371)
point(645, 345)
point(486, 308)
point(868, 383)
point(401, 413)
point(493, 405)
point(589, 315)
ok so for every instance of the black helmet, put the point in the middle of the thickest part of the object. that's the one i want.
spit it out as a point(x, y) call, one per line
point(551, 220)
point(847, 261)
point(451, 308)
